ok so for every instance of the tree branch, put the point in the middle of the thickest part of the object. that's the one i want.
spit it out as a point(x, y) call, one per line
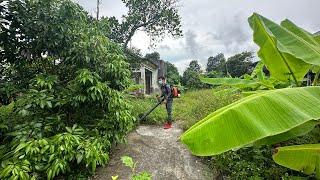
point(133, 30)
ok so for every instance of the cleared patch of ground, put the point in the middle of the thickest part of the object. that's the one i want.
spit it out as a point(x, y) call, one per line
point(159, 152)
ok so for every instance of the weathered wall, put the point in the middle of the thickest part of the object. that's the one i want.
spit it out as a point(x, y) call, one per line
point(156, 73)
point(162, 68)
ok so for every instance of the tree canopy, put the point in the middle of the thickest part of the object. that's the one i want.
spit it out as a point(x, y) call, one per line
point(173, 76)
point(194, 66)
point(240, 64)
point(154, 56)
point(156, 17)
point(191, 76)
point(216, 63)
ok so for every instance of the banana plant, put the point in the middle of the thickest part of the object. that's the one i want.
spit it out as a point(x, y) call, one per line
point(265, 118)
point(256, 81)
point(271, 116)
point(287, 50)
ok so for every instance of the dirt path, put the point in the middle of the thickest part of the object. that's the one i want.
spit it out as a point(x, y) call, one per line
point(159, 152)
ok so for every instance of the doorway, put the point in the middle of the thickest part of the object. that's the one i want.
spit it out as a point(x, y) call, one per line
point(148, 81)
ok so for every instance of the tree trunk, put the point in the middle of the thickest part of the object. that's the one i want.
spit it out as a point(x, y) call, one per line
point(125, 45)
point(134, 29)
point(98, 6)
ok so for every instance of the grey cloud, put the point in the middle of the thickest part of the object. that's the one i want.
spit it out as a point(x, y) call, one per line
point(232, 31)
point(192, 47)
point(182, 65)
point(164, 47)
point(214, 26)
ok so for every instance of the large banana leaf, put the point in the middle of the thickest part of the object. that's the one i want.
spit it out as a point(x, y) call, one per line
point(272, 115)
point(305, 35)
point(225, 91)
point(315, 69)
point(317, 38)
point(236, 82)
point(294, 132)
point(241, 83)
point(284, 52)
point(256, 80)
point(304, 158)
point(249, 93)
point(258, 71)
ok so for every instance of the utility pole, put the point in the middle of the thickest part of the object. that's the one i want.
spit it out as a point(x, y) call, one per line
point(98, 6)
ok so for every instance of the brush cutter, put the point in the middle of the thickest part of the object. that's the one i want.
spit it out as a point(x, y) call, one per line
point(152, 109)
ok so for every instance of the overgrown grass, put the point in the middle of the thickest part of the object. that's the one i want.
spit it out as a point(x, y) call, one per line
point(196, 105)
point(189, 109)
point(142, 105)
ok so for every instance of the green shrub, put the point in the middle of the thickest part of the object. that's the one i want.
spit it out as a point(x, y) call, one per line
point(48, 157)
point(255, 162)
point(37, 143)
point(6, 119)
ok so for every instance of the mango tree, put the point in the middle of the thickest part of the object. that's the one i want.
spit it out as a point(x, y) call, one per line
point(67, 82)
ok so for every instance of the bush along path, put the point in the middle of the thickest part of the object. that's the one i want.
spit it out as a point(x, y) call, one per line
point(158, 152)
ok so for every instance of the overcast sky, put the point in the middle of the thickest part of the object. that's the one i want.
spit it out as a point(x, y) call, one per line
point(213, 26)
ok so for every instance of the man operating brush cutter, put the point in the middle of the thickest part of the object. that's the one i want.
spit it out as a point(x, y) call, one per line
point(167, 96)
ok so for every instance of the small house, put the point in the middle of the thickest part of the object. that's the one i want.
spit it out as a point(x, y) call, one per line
point(146, 73)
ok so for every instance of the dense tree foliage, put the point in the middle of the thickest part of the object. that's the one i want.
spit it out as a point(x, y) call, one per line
point(217, 64)
point(154, 56)
point(61, 71)
point(173, 76)
point(191, 76)
point(194, 66)
point(156, 17)
point(235, 66)
point(240, 64)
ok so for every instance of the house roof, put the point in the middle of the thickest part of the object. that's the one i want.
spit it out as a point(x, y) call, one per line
point(150, 63)
point(136, 60)
point(141, 60)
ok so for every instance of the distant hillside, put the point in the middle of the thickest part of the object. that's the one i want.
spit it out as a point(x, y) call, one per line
point(317, 33)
